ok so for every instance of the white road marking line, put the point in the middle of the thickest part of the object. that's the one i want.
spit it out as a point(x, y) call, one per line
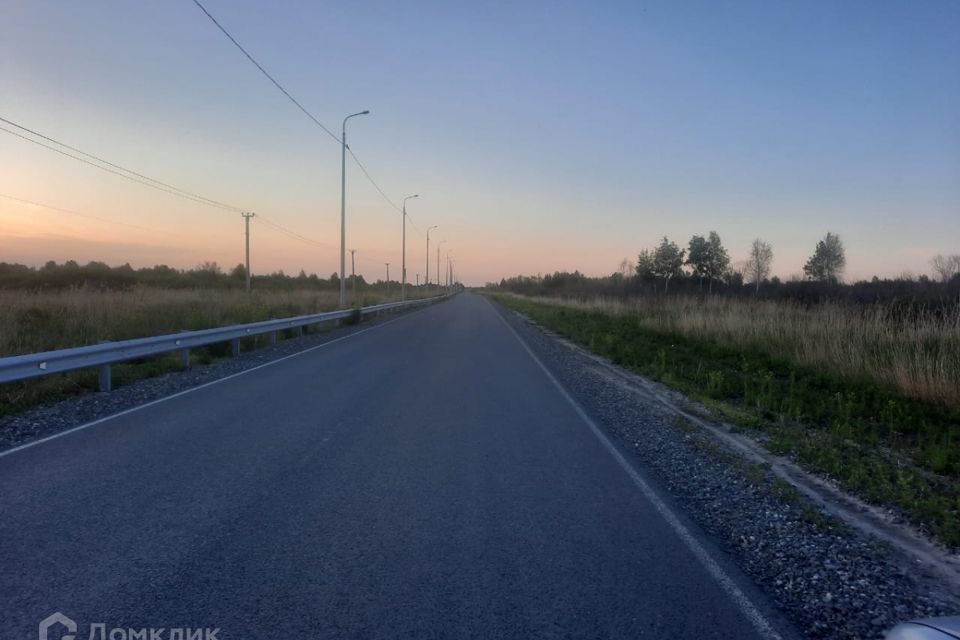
point(759, 622)
point(93, 423)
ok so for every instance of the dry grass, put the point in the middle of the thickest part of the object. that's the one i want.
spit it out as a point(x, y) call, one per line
point(41, 321)
point(919, 355)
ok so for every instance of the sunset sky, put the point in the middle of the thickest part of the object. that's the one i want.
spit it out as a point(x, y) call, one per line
point(540, 136)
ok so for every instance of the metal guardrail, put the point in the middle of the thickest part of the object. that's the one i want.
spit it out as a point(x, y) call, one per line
point(102, 355)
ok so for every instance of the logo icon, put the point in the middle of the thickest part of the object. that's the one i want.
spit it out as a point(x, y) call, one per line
point(58, 618)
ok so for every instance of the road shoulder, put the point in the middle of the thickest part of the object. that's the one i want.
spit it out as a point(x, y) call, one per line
point(829, 579)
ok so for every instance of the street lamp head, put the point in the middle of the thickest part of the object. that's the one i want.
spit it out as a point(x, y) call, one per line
point(354, 115)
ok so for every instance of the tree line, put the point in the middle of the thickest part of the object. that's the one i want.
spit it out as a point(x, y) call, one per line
point(709, 261)
point(99, 275)
point(704, 266)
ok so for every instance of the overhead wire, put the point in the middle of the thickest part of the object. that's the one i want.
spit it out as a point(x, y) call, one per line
point(81, 214)
point(265, 73)
point(140, 178)
point(298, 104)
point(360, 256)
point(293, 234)
point(113, 167)
point(137, 177)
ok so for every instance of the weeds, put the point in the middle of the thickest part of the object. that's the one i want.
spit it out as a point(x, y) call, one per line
point(42, 321)
point(918, 352)
point(869, 433)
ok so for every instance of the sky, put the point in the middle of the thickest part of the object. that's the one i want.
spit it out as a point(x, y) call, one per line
point(540, 136)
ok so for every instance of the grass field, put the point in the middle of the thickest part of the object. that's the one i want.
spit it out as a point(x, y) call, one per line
point(867, 396)
point(43, 321)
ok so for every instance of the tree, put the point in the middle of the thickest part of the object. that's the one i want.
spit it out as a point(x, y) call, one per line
point(719, 259)
point(698, 257)
point(708, 258)
point(644, 266)
point(758, 264)
point(239, 272)
point(625, 268)
point(946, 267)
point(667, 261)
point(827, 261)
point(210, 268)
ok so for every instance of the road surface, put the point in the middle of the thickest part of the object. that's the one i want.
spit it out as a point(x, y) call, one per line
point(424, 478)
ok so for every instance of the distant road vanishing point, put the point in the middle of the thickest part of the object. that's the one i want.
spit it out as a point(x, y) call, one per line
point(424, 478)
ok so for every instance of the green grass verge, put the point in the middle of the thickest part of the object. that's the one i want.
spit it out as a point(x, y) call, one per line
point(872, 440)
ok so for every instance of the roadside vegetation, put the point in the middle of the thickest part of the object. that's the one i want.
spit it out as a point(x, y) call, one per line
point(858, 382)
point(839, 418)
point(61, 306)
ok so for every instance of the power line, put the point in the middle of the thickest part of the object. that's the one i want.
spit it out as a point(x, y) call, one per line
point(293, 234)
point(78, 213)
point(140, 179)
point(169, 188)
point(264, 72)
point(149, 182)
point(297, 103)
point(375, 185)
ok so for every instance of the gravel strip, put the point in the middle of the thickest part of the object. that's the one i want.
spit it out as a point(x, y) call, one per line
point(43, 421)
point(831, 581)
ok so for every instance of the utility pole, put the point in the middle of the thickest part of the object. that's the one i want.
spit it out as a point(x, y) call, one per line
point(246, 224)
point(343, 206)
point(426, 279)
point(388, 276)
point(418, 280)
point(353, 273)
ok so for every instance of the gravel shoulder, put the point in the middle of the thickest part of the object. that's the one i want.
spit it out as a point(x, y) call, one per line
point(830, 579)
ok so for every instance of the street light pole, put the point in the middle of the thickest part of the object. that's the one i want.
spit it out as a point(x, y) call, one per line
point(403, 267)
point(343, 206)
point(426, 279)
point(438, 263)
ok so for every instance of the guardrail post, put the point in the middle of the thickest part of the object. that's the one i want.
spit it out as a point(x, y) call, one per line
point(105, 380)
point(235, 347)
point(184, 354)
point(273, 338)
point(299, 331)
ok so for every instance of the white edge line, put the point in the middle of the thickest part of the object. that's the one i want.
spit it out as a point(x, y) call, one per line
point(125, 412)
point(739, 598)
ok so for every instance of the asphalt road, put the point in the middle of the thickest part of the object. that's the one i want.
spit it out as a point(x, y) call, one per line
point(424, 478)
